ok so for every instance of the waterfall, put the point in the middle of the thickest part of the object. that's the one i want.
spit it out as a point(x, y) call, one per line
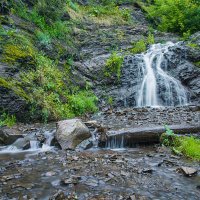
point(46, 146)
point(154, 75)
point(116, 141)
point(34, 144)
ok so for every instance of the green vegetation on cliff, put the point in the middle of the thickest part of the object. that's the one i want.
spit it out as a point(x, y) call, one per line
point(113, 65)
point(42, 84)
point(7, 120)
point(179, 16)
point(40, 39)
point(45, 83)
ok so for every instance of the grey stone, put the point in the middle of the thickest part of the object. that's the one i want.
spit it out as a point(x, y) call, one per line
point(9, 135)
point(71, 133)
point(187, 171)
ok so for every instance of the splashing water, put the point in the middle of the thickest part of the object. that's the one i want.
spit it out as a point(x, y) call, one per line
point(153, 75)
point(34, 145)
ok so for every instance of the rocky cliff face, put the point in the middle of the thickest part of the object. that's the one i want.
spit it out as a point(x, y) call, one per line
point(179, 63)
point(9, 100)
point(94, 44)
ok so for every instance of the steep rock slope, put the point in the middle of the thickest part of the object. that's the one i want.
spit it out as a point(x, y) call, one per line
point(80, 57)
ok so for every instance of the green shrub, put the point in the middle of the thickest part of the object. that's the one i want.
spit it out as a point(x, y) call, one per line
point(72, 5)
point(17, 48)
point(126, 14)
point(2, 31)
point(177, 16)
point(46, 87)
point(110, 14)
point(51, 90)
point(110, 100)
point(193, 45)
point(168, 138)
point(7, 120)
point(150, 39)
point(139, 47)
point(43, 38)
point(83, 102)
point(197, 64)
point(188, 146)
point(113, 65)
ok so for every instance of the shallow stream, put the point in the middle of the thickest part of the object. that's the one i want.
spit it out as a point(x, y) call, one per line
point(145, 173)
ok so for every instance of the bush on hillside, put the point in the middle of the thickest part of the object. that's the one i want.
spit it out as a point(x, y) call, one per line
point(179, 16)
point(51, 10)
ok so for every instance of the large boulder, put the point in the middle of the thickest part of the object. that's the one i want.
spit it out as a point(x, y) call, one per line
point(71, 132)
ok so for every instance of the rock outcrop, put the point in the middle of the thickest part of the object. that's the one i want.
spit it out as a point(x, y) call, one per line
point(71, 132)
point(93, 46)
point(8, 135)
point(177, 63)
point(143, 135)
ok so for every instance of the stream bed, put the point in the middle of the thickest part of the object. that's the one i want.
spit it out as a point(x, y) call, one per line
point(139, 173)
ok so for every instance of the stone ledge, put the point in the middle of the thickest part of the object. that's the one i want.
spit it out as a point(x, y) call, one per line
point(150, 134)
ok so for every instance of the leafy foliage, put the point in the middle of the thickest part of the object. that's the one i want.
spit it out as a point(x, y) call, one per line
point(54, 27)
point(179, 16)
point(113, 65)
point(51, 10)
point(106, 13)
point(7, 120)
point(188, 146)
point(197, 64)
point(45, 86)
point(169, 131)
point(83, 102)
point(141, 45)
point(150, 39)
point(168, 137)
point(43, 38)
point(51, 89)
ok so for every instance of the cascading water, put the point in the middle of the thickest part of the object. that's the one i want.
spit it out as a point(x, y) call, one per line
point(154, 75)
point(117, 141)
point(148, 80)
point(30, 140)
point(34, 144)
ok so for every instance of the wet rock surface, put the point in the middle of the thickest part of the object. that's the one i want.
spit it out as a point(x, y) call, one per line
point(115, 119)
point(177, 62)
point(9, 135)
point(187, 171)
point(140, 173)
